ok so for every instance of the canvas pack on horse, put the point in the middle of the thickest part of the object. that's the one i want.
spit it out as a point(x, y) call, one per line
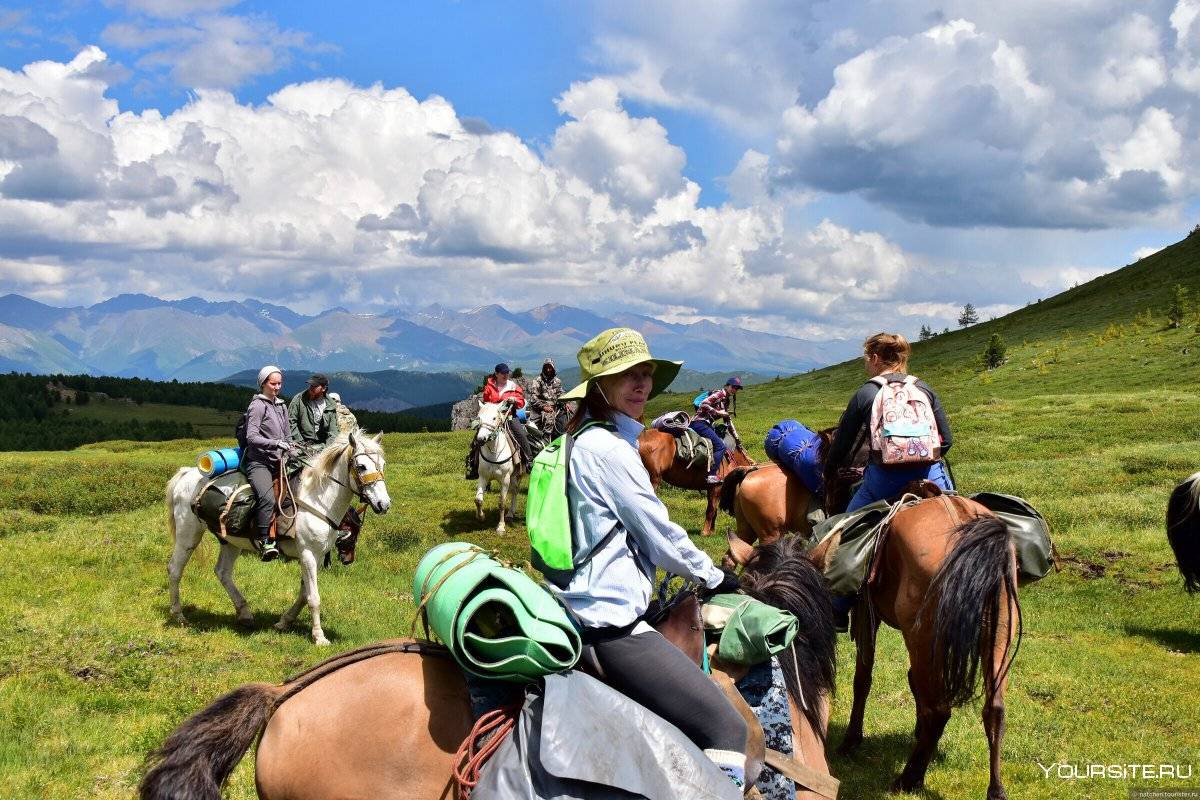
point(657, 449)
point(945, 575)
point(348, 468)
point(768, 501)
point(384, 722)
point(499, 459)
point(1183, 530)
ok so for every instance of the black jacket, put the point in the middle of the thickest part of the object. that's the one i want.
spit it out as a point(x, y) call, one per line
point(858, 415)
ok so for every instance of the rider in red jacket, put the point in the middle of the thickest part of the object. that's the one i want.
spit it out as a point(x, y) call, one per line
point(497, 388)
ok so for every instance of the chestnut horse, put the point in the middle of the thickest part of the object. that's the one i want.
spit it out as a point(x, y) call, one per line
point(1183, 530)
point(769, 501)
point(384, 722)
point(945, 576)
point(657, 449)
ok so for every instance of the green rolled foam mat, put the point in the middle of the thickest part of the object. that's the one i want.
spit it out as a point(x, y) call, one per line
point(497, 622)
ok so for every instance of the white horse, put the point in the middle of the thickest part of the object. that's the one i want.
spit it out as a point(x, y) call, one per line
point(348, 468)
point(498, 459)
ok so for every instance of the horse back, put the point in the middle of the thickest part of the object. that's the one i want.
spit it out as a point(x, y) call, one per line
point(386, 727)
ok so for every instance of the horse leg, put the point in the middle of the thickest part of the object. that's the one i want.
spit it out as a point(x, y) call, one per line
point(308, 579)
point(480, 487)
point(866, 628)
point(503, 502)
point(710, 513)
point(514, 486)
point(995, 681)
point(933, 712)
point(293, 611)
point(189, 532)
point(224, 570)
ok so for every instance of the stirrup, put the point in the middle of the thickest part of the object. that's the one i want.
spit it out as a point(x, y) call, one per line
point(267, 550)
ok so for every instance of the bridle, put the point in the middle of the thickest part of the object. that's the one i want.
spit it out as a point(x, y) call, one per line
point(495, 430)
point(364, 481)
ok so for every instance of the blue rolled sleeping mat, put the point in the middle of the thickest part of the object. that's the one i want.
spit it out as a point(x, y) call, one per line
point(218, 462)
point(794, 447)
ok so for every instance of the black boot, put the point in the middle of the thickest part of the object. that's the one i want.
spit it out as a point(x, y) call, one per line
point(472, 462)
point(267, 551)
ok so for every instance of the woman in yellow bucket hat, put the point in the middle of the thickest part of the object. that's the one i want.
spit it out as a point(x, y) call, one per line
point(622, 535)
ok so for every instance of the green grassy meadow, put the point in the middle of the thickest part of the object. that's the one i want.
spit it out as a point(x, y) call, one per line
point(1094, 418)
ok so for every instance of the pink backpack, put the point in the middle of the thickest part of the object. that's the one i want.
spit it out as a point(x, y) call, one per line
point(904, 431)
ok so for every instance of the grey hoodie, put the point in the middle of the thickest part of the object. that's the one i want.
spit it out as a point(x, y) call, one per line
point(267, 431)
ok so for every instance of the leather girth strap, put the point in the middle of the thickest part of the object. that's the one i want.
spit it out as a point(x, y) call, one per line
point(804, 777)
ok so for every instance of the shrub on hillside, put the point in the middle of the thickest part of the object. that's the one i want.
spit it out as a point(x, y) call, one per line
point(1177, 305)
point(993, 354)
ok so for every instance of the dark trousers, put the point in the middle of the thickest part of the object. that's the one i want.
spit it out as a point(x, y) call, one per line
point(261, 477)
point(704, 429)
point(654, 672)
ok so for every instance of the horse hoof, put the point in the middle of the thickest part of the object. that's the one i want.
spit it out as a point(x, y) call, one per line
point(320, 641)
point(848, 747)
point(246, 621)
point(901, 786)
point(179, 618)
point(282, 625)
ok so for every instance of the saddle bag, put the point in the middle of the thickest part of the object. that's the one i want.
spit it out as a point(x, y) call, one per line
point(746, 630)
point(226, 504)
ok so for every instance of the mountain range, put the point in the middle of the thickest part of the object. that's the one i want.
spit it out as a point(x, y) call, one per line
point(135, 335)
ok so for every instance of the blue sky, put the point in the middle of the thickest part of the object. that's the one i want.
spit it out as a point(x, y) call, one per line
point(811, 168)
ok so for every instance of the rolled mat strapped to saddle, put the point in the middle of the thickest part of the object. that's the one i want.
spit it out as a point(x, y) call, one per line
point(858, 533)
point(497, 622)
point(747, 631)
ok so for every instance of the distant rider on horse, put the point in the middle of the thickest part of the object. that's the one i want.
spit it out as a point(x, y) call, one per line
point(313, 415)
point(268, 441)
point(618, 520)
point(716, 406)
point(497, 388)
point(547, 389)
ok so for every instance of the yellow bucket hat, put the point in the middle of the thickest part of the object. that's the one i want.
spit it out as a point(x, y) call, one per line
point(616, 350)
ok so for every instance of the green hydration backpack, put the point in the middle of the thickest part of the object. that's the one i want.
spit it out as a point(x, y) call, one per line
point(547, 515)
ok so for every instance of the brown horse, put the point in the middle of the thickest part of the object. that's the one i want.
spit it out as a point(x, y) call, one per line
point(1183, 530)
point(769, 501)
point(944, 575)
point(657, 449)
point(384, 722)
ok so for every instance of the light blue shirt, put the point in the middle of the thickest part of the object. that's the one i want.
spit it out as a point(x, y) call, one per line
point(610, 488)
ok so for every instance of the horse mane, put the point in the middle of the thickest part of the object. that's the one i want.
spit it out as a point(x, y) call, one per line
point(780, 574)
point(324, 462)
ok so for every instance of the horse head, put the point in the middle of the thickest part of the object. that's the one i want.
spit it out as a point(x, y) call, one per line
point(366, 471)
point(491, 419)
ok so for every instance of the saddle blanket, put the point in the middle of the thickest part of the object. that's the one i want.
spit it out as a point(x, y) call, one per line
point(578, 739)
point(858, 534)
point(794, 447)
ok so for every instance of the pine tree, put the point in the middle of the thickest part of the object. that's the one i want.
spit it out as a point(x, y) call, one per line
point(993, 354)
point(926, 334)
point(1177, 306)
point(968, 316)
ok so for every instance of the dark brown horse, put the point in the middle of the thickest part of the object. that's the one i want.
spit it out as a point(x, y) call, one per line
point(1183, 530)
point(944, 575)
point(384, 722)
point(657, 449)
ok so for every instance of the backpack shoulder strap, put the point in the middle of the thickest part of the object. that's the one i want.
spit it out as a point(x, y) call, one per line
point(879, 381)
point(568, 445)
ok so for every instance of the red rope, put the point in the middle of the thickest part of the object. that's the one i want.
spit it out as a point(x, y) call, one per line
point(469, 759)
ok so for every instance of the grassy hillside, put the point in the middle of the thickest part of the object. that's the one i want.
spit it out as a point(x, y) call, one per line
point(1094, 417)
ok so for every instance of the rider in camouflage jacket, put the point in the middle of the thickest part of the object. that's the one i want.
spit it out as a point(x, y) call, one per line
point(547, 388)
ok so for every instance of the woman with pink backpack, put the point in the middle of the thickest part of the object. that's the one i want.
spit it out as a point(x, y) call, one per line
point(902, 419)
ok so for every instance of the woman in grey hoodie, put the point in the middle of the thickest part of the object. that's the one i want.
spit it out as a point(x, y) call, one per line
point(268, 440)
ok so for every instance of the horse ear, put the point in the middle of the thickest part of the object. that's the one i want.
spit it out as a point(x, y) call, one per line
point(481, 402)
point(377, 438)
point(353, 444)
point(740, 551)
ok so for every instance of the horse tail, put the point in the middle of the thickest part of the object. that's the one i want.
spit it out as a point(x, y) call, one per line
point(197, 758)
point(729, 487)
point(966, 595)
point(1183, 530)
point(170, 500)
